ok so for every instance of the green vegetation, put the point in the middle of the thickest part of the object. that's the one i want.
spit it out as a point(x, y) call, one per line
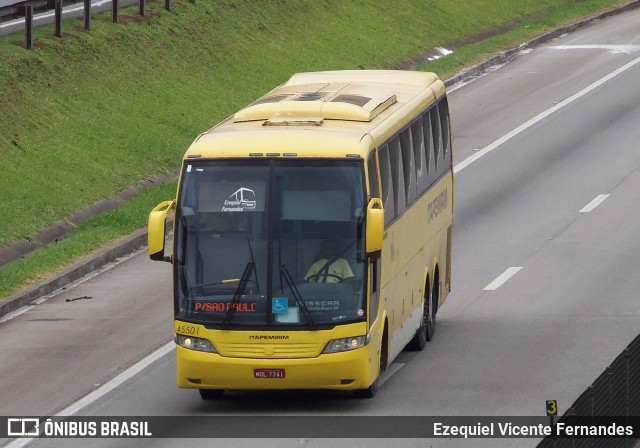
point(90, 235)
point(86, 116)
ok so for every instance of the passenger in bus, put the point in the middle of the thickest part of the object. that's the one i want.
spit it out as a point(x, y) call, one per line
point(330, 268)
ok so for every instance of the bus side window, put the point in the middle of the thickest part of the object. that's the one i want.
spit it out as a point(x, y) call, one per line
point(397, 174)
point(422, 183)
point(437, 139)
point(446, 135)
point(372, 173)
point(406, 146)
point(428, 148)
point(387, 184)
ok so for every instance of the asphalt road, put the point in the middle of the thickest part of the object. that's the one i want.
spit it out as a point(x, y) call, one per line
point(503, 345)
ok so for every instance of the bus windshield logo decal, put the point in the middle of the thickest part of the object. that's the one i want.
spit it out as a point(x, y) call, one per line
point(243, 199)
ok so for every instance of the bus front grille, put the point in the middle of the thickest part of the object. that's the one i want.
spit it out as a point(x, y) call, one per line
point(268, 351)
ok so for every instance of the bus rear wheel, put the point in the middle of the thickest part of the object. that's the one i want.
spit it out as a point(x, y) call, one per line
point(211, 394)
point(435, 298)
point(427, 324)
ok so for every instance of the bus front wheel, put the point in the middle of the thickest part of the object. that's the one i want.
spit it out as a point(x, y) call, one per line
point(370, 391)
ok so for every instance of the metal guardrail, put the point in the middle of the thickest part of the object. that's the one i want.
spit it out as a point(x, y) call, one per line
point(615, 394)
point(26, 9)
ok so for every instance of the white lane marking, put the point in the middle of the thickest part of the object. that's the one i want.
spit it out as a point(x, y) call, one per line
point(393, 368)
point(502, 278)
point(19, 443)
point(105, 388)
point(487, 149)
point(593, 204)
point(613, 48)
point(118, 380)
point(139, 367)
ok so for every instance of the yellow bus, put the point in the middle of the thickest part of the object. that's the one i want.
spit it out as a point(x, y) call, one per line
point(312, 234)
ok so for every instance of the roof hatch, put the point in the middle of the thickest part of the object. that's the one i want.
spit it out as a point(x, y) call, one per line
point(327, 102)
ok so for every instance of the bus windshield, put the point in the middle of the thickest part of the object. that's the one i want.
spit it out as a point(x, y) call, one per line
point(275, 243)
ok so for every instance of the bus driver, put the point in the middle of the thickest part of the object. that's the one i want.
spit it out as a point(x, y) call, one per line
point(330, 268)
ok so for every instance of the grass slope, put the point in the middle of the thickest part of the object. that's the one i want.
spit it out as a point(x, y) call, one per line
point(83, 117)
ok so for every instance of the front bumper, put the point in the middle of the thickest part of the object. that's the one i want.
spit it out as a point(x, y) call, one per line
point(340, 371)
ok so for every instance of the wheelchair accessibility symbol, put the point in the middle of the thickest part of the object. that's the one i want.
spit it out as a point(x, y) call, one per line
point(279, 305)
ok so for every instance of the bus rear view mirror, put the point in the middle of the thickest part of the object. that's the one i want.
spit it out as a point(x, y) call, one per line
point(375, 227)
point(156, 230)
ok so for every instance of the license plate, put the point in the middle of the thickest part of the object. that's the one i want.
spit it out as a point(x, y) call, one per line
point(268, 373)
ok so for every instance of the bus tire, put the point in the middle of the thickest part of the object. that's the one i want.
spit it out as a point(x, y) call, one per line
point(211, 394)
point(435, 298)
point(369, 392)
point(427, 324)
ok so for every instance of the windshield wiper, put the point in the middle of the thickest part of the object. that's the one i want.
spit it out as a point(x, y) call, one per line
point(296, 294)
point(240, 290)
point(242, 286)
point(218, 282)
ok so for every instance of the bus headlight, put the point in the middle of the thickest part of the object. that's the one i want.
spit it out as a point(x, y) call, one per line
point(199, 344)
point(346, 344)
